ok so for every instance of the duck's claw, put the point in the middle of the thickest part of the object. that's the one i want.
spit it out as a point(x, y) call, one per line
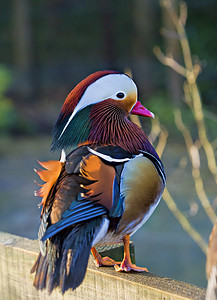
point(127, 267)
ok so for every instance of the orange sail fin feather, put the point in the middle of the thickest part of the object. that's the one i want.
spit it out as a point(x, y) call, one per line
point(49, 176)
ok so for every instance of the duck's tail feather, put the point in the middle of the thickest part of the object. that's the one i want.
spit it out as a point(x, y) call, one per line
point(66, 258)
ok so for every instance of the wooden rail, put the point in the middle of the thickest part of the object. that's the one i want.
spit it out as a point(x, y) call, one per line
point(17, 255)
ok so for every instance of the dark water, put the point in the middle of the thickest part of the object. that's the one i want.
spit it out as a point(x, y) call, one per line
point(161, 244)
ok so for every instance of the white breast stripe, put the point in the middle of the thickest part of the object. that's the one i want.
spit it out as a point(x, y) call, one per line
point(63, 156)
point(107, 157)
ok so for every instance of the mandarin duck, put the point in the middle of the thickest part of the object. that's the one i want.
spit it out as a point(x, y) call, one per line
point(104, 190)
point(211, 265)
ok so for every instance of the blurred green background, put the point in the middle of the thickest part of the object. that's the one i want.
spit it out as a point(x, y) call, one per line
point(46, 48)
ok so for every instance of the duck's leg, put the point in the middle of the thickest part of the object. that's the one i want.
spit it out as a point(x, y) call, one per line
point(103, 261)
point(126, 264)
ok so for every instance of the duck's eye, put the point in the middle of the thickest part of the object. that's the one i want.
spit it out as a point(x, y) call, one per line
point(120, 95)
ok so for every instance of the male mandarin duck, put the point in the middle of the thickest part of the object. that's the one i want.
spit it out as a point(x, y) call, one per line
point(101, 192)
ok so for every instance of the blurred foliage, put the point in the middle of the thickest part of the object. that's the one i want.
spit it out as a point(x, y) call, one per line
point(5, 79)
point(69, 39)
point(11, 122)
point(201, 29)
point(163, 109)
point(8, 115)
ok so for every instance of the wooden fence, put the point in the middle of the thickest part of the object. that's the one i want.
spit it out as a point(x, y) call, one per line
point(17, 255)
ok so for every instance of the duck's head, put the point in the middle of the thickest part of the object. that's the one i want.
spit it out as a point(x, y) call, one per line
point(102, 100)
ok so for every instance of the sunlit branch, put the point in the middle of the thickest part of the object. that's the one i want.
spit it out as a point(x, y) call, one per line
point(169, 61)
point(194, 156)
point(186, 225)
point(184, 221)
point(162, 142)
point(190, 72)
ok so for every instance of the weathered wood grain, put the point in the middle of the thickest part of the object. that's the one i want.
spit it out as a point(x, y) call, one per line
point(17, 255)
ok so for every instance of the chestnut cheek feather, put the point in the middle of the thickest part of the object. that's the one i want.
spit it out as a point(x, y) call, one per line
point(127, 103)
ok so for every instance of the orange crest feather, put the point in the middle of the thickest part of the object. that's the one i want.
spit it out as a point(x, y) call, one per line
point(49, 176)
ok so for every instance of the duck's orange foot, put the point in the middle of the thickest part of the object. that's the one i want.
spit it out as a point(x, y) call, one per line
point(103, 261)
point(128, 266)
point(106, 261)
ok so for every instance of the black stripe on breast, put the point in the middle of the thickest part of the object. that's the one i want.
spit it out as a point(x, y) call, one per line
point(158, 164)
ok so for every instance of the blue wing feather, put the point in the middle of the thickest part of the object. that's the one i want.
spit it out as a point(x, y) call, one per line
point(83, 211)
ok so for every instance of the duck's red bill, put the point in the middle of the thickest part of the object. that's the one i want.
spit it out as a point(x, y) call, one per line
point(140, 110)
